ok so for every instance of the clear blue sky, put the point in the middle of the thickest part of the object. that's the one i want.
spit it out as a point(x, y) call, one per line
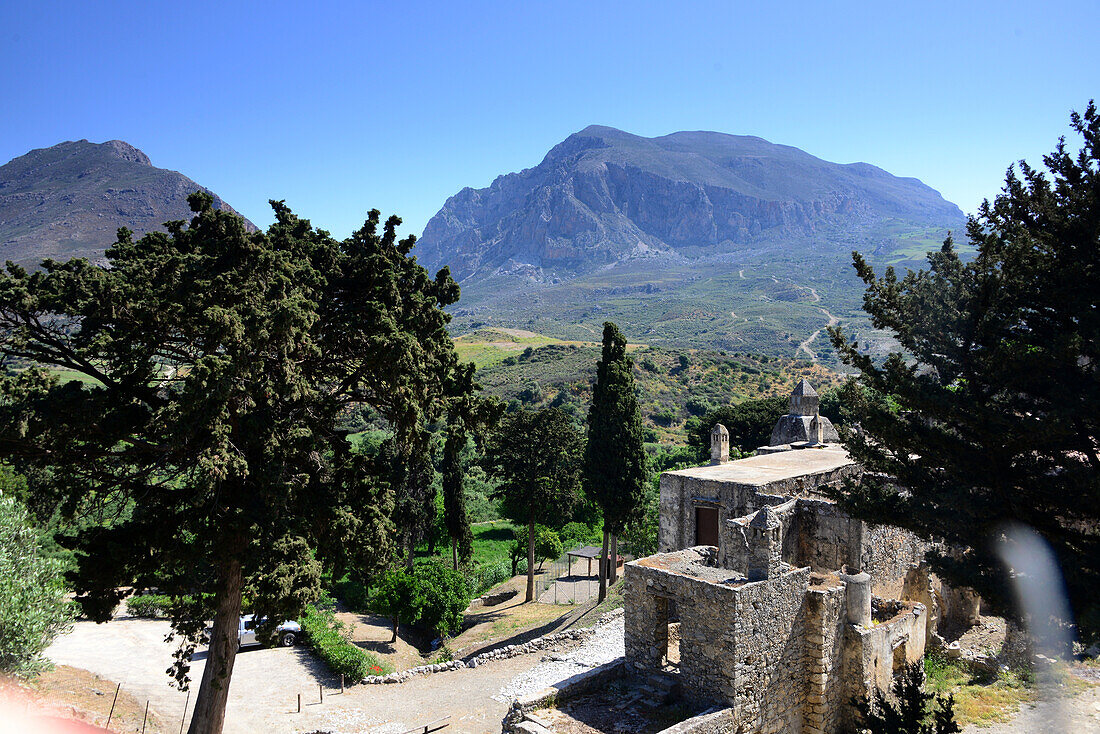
point(341, 107)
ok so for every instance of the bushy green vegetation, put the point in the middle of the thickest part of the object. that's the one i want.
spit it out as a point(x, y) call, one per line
point(34, 607)
point(911, 710)
point(328, 638)
point(149, 605)
point(980, 697)
point(672, 396)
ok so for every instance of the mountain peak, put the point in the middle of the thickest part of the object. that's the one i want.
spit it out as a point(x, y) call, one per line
point(603, 195)
point(70, 199)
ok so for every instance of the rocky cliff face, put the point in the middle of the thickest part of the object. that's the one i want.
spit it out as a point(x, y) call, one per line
point(69, 200)
point(603, 195)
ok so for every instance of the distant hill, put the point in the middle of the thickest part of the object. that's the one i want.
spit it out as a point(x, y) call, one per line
point(69, 200)
point(692, 240)
point(603, 195)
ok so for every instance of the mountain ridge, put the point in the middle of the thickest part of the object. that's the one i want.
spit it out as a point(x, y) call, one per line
point(70, 199)
point(603, 194)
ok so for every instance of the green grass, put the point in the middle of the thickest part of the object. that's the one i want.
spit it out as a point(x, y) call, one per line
point(981, 699)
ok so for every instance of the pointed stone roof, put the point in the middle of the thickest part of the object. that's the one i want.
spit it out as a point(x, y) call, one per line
point(765, 518)
point(804, 389)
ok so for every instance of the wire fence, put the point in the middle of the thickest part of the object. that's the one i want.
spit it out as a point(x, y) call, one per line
point(570, 579)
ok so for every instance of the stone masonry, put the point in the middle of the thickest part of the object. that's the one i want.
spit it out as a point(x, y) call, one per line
point(791, 608)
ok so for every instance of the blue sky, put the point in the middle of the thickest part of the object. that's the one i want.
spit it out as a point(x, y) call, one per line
point(340, 107)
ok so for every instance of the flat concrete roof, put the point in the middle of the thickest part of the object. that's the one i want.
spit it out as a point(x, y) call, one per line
point(767, 468)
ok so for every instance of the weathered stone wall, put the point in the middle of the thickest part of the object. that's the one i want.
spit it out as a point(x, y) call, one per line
point(827, 538)
point(721, 721)
point(825, 686)
point(889, 554)
point(681, 494)
point(770, 653)
point(744, 645)
point(872, 655)
point(736, 549)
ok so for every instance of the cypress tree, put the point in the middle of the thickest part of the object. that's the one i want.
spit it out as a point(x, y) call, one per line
point(614, 457)
point(454, 499)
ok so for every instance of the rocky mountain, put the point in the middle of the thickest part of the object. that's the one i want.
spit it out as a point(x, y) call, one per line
point(604, 195)
point(690, 240)
point(69, 200)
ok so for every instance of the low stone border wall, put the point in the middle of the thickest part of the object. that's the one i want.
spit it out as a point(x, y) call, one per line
point(712, 721)
point(577, 684)
point(509, 651)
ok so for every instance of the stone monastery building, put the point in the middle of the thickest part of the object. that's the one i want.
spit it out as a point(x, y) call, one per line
point(766, 598)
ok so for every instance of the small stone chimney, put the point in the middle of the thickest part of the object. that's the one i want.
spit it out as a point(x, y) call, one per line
point(719, 444)
point(765, 545)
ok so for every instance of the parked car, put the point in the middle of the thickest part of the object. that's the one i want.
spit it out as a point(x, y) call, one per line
point(286, 634)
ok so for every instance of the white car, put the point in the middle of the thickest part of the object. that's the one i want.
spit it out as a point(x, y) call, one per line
point(286, 633)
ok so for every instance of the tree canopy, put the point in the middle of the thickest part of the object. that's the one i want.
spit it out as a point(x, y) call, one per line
point(991, 414)
point(536, 455)
point(219, 362)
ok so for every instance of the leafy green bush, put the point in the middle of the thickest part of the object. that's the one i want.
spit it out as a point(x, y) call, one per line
point(329, 641)
point(444, 595)
point(575, 534)
point(547, 544)
point(149, 605)
point(35, 608)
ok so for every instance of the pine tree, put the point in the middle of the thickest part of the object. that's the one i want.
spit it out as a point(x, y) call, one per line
point(614, 457)
point(990, 414)
point(220, 364)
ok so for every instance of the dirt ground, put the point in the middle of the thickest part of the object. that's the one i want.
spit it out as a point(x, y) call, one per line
point(485, 627)
point(76, 695)
point(1078, 714)
point(133, 652)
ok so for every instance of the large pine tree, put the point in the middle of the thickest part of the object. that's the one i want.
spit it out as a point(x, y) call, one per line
point(614, 457)
point(991, 414)
point(218, 364)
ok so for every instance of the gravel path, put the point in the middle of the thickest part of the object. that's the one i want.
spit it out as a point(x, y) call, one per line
point(605, 645)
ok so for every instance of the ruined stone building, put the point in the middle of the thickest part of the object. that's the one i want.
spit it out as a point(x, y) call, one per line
point(768, 599)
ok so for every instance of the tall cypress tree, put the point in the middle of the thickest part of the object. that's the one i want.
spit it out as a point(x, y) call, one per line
point(614, 457)
point(454, 498)
point(991, 414)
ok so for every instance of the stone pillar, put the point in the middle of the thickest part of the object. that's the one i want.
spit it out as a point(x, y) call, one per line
point(719, 444)
point(858, 589)
point(765, 545)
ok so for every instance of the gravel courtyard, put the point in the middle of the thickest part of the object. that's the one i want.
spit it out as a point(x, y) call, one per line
point(263, 693)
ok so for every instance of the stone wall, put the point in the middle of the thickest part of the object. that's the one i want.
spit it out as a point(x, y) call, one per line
point(681, 494)
point(770, 653)
point(889, 553)
point(825, 685)
point(872, 655)
point(721, 721)
point(743, 645)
